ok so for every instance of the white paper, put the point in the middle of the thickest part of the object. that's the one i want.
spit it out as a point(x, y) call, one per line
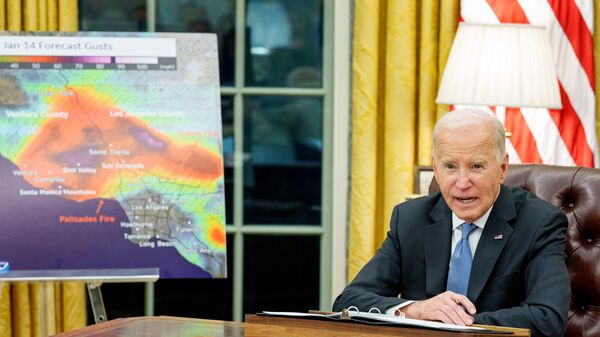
point(385, 318)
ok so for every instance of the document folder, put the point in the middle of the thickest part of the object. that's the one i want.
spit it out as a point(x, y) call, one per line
point(353, 315)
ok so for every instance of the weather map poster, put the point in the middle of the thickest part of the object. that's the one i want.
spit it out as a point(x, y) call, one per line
point(111, 153)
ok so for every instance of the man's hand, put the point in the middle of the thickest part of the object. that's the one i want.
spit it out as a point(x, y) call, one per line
point(446, 307)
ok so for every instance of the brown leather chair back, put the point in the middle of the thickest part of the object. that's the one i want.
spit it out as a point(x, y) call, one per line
point(576, 191)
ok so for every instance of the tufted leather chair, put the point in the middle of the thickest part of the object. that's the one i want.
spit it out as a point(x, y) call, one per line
point(576, 191)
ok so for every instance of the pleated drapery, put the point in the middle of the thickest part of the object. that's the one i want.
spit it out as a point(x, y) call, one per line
point(399, 50)
point(24, 306)
point(38, 15)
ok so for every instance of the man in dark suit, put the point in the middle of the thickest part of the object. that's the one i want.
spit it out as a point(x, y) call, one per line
point(478, 252)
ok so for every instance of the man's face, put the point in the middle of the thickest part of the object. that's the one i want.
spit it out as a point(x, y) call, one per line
point(467, 170)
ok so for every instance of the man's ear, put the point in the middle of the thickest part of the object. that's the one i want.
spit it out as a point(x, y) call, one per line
point(435, 169)
point(504, 168)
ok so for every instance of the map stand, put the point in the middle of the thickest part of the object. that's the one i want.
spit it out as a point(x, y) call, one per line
point(95, 296)
point(93, 277)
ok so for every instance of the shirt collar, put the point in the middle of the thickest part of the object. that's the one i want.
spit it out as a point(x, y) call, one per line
point(456, 221)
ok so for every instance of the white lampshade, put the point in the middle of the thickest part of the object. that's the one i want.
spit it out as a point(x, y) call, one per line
point(507, 65)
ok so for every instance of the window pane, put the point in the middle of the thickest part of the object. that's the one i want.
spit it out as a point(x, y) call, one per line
point(285, 43)
point(112, 15)
point(202, 298)
point(281, 273)
point(228, 148)
point(203, 16)
point(121, 300)
point(282, 160)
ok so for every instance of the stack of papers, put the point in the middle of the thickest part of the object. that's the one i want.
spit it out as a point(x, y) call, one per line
point(376, 318)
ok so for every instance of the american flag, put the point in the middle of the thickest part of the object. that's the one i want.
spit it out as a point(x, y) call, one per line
point(560, 137)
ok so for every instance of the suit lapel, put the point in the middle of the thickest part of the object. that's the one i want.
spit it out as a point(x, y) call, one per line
point(437, 248)
point(496, 234)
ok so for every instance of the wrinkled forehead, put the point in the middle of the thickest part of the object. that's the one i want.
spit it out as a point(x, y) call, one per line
point(479, 132)
point(469, 141)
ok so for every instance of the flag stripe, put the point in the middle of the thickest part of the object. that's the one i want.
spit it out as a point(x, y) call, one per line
point(477, 11)
point(586, 8)
point(567, 14)
point(569, 71)
point(513, 155)
point(508, 11)
point(572, 82)
point(551, 146)
point(572, 132)
point(522, 139)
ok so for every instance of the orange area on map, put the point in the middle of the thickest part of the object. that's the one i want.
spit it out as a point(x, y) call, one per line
point(217, 236)
point(80, 140)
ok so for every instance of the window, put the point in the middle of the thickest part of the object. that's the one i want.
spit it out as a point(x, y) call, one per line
point(275, 100)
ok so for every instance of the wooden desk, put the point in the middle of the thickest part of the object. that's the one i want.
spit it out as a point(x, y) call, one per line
point(255, 326)
point(161, 326)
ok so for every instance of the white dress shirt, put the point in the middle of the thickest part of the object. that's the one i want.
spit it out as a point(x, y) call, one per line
point(475, 235)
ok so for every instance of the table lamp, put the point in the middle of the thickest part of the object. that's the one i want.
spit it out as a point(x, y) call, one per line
point(508, 65)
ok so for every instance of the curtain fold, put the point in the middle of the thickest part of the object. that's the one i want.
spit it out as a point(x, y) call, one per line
point(27, 308)
point(399, 50)
point(38, 15)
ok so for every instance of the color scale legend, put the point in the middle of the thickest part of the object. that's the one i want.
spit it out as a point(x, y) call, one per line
point(87, 53)
point(88, 62)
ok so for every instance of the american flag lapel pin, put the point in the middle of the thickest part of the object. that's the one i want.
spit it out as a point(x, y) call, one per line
point(498, 237)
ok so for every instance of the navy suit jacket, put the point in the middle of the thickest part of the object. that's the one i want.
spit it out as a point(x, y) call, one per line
point(518, 278)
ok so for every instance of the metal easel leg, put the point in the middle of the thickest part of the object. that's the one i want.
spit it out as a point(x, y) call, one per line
point(96, 301)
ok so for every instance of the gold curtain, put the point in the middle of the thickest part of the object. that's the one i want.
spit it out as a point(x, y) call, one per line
point(22, 312)
point(399, 50)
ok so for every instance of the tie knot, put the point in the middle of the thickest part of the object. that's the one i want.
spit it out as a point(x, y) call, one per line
point(467, 229)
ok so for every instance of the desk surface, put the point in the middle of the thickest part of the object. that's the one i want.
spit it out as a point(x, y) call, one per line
point(255, 326)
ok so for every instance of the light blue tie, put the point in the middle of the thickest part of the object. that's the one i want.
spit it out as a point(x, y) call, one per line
point(460, 266)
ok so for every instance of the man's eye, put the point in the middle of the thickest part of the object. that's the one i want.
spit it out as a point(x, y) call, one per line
point(477, 166)
point(450, 166)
